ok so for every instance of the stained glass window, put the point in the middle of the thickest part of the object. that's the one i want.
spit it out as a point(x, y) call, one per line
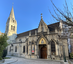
point(15, 48)
point(23, 49)
point(53, 47)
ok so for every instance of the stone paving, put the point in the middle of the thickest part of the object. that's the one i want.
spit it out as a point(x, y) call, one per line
point(17, 60)
point(35, 61)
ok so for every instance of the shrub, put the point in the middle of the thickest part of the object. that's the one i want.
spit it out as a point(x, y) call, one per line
point(0, 58)
point(4, 53)
point(71, 55)
point(3, 44)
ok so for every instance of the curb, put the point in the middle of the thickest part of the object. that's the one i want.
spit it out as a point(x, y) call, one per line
point(40, 59)
point(70, 62)
point(11, 62)
point(2, 61)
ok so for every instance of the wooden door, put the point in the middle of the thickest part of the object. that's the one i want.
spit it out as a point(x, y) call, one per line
point(44, 52)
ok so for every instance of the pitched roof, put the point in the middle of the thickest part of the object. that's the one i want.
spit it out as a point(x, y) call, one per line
point(12, 13)
point(54, 25)
point(26, 33)
point(51, 27)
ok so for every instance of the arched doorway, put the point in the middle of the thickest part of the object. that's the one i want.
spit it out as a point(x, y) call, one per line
point(42, 48)
point(44, 53)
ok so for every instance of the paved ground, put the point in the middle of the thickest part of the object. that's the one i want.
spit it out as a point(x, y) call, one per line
point(11, 60)
point(34, 61)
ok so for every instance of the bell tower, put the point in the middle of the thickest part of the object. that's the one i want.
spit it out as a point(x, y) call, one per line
point(11, 24)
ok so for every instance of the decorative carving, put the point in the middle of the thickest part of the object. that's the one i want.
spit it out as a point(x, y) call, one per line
point(35, 43)
point(26, 39)
point(29, 43)
point(57, 42)
point(41, 24)
point(49, 41)
point(12, 45)
point(42, 34)
point(32, 42)
point(42, 41)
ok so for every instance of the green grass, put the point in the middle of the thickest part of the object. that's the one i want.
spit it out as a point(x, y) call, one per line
point(6, 57)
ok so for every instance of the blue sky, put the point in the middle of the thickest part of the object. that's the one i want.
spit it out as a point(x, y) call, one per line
point(28, 12)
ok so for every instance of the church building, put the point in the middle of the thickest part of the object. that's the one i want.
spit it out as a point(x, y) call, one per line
point(46, 41)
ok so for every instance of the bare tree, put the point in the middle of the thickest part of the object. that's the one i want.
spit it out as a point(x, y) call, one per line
point(62, 15)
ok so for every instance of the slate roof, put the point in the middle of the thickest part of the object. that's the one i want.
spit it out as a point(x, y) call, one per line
point(51, 28)
point(26, 33)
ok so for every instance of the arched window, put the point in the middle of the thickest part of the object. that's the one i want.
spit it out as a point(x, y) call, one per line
point(13, 20)
point(52, 47)
point(42, 29)
point(33, 48)
point(27, 48)
point(13, 28)
point(15, 48)
point(23, 49)
point(10, 48)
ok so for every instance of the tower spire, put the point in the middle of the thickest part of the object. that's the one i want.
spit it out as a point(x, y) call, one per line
point(41, 16)
point(12, 4)
point(12, 13)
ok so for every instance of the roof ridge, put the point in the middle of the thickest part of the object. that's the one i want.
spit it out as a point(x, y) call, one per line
point(35, 29)
point(53, 23)
point(29, 30)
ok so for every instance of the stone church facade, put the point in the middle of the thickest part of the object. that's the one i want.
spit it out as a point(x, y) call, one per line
point(46, 41)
